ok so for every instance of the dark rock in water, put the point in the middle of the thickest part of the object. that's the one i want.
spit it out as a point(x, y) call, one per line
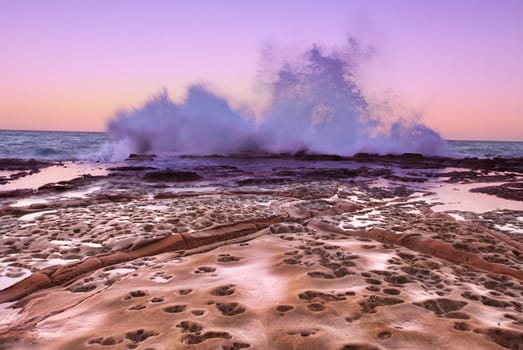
point(494, 164)
point(62, 186)
point(129, 171)
point(460, 176)
point(344, 173)
point(141, 157)
point(56, 187)
point(511, 190)
point(169, 175)
point(406, 160)
point(132, 168)
point(23, 173)
point(286, 173)
point(405, 178)
point(262, 181)
point(303, 155)
point(417, 156)
point(218, 168)
point(23, 167)
point(477, 176)
point(23, 164)
point(337, 173)
point(118, 197)
point(16, 193)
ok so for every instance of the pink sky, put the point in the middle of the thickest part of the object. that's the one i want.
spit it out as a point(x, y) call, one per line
point(68, 65)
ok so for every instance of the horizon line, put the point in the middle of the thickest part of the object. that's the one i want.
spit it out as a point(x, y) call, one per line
point(103, 132)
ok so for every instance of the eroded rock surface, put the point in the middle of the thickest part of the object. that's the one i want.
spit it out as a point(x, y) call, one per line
point(300, 255)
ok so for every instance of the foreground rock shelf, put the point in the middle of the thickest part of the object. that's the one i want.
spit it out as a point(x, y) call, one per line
point(58, 275)
point(282, 258)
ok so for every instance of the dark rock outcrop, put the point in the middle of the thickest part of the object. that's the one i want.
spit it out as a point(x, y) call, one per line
point(511, 190)
point(169, 175)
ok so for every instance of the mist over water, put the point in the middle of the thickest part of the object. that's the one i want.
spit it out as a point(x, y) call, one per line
point(316, 106)
point(203, 124)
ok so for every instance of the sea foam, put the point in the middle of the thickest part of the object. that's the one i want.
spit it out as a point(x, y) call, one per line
point(316, 106)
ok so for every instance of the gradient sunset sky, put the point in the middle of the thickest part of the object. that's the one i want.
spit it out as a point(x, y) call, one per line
point(69, 65)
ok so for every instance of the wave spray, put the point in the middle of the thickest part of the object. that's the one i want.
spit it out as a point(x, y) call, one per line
point(316, 106)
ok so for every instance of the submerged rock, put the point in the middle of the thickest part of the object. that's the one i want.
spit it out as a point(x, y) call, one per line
point(141, 157)
point(511, 191)
point(169, 175)
point(11, 164)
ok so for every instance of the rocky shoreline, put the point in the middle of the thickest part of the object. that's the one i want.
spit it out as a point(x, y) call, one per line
point(280, 252)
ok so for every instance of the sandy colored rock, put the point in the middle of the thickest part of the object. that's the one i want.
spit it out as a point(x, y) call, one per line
point(266, 255)
point(32, 283)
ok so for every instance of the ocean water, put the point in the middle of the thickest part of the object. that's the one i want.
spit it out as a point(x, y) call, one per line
point(94, 146)
point(486, 149)
point(51, 145)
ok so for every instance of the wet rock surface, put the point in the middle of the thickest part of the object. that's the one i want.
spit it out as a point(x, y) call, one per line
point(18, 168)
point(300, 251)
point(169, 175)
point(511, 190)
point(23, 164)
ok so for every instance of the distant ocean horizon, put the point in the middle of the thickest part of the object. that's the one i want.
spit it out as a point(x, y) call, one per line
point(93, 145)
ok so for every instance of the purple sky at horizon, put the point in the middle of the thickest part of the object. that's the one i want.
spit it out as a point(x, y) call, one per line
point(69, 65)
